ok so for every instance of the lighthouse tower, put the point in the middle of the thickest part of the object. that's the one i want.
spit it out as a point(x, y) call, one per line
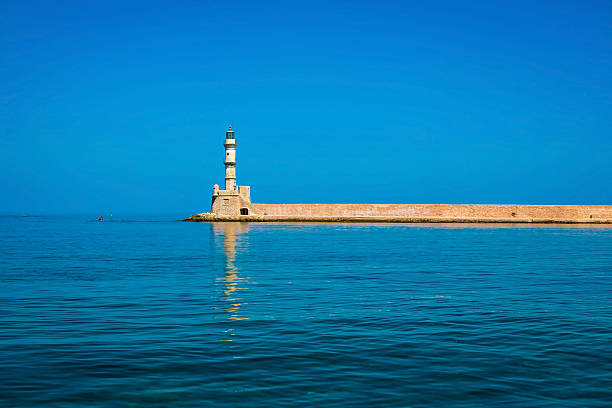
point(234, 200)
point(230, 160)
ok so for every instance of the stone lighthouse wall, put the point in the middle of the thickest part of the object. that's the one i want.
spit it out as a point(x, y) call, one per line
point(229, 203)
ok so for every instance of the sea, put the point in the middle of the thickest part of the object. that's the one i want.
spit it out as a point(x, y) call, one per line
point(151, 311)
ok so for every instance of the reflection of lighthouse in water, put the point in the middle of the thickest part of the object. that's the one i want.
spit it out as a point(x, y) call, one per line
point(232, 242)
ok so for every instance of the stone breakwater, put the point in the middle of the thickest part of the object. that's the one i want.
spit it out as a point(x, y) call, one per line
point(421, 213)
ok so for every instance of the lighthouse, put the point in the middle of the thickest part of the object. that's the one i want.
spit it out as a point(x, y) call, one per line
point(230, 160)
point(234, 200)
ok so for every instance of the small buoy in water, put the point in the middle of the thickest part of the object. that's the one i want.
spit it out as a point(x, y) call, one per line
point(100, 219)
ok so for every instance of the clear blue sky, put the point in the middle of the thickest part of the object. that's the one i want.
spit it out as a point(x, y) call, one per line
point(109, 106)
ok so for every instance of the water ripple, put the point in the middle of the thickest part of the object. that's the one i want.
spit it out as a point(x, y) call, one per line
point(164, 313)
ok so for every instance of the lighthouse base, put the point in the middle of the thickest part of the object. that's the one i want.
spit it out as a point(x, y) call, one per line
point(227, 203)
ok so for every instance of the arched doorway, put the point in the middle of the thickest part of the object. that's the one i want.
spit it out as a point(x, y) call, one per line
point(244, 211)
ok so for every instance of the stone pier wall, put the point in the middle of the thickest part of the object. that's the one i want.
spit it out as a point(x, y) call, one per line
point(435, 212)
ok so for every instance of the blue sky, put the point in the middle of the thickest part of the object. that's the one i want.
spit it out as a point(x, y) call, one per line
point(112, 107)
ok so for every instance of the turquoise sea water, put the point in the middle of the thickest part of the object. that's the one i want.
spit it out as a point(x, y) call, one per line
point(153, 312)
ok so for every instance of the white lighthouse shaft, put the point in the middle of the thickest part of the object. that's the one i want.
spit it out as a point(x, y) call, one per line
point(230, 160)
